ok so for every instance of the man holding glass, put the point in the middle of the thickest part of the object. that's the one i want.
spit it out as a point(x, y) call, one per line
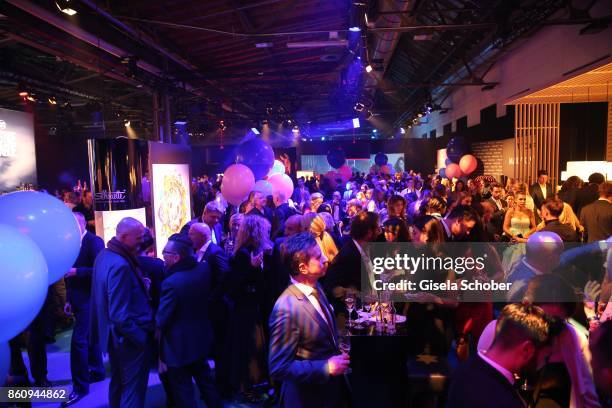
point(304, 346)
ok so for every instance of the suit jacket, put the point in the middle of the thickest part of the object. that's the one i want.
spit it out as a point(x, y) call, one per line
point(589, 193)
point(267, 214)
point(596, 218)
point(78, 287)
point(153, 268)
point(119, 302)
point(477, 384)
point(566, 232)
point(183, 314)
point(281, 213)
point(536, 193)
point(301, 342)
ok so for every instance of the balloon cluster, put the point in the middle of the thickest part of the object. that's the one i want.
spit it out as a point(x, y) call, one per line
point(459, 161)
point(39, 241)
point(255, 161)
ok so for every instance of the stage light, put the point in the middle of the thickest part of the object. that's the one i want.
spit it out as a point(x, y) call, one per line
point(264, 122)
point(368, 68)
point(180, 122)
point(356, 123)
point(254, 130)
point(65, 6)
point(355, 29)
point(375, 131)
point(52, 100)
point(23, 94)
point(323, 138)
point(295, 129)
point(31, 98)
point(402, 131)
point(420, 114)
point(127, 123)
point(304, 139)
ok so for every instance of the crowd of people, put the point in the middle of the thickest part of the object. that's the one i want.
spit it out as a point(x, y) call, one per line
point(249, 300)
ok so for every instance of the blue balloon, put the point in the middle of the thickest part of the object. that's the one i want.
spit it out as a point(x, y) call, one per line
point(381, 159)
point(23, 281)
point(447, 162)
point(336, 158)
point(257, 155)
point(442, 173)
point(50, 224)
point(5, 361)
point(456, 148)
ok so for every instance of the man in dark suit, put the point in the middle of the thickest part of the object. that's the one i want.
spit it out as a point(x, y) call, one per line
point(218, 261)
point(500, 206)
point(540, 191)
point(589, 192)
point(85, 358)
point(186, 332)
point(212, 216)
point(122, 316)
point(281, 213)
point(301, 194)
point(596, 218)
point(551, 211)
point(258, 201)
point(85, 207)
point(337, 207)
point(487, 379)
point(280, 276)
point(345, 272)
point(304, 351)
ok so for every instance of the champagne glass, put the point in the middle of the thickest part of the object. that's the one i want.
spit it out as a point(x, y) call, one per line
point(344, 344)
point(349, 301)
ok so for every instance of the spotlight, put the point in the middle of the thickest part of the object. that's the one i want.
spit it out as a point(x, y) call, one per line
point(323, 138)
point(254, 130)
point(375, 131)
point(359, 107)
point(23, 94)
point(368, 68)
point(65, 6)
point(402, 131)
point(52, 100)
point(420, 114)
point(127, 123)
point(264, 122)
point(31, 98)
point(295, 129)
point(356, 123)
point(354, 29)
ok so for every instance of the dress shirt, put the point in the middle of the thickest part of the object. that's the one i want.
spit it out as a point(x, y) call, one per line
point(502, 370)
point(307, 291)
point(200, 253)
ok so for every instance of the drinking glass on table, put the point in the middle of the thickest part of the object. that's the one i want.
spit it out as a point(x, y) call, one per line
point(349, 301)
point(368, 302)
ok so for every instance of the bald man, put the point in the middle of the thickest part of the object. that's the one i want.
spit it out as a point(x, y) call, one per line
point(122, 316)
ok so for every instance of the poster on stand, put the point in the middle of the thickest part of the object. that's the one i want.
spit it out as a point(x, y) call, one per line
point(171, 201)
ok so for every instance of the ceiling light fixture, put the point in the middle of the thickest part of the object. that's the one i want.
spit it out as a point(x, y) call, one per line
point(65, 6)
point(369, 68)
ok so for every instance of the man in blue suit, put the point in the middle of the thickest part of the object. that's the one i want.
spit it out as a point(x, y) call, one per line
point(85, 357)
point(122, 316)
point(304, 351)
point(186, 332)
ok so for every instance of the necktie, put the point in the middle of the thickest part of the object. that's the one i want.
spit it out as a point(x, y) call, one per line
point(328, 317)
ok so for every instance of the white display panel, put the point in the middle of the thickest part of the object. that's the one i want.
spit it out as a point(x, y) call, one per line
point(106, 221)
point(171, 201)
point(17, 152)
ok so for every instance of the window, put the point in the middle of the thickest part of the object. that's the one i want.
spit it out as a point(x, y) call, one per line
point(462, 124)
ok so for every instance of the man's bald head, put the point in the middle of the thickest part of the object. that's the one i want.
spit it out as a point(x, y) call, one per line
point(293, 225)
point(199, 234)
point(130, 232)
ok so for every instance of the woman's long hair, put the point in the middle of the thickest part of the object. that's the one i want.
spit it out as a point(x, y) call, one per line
point(325, 241)
point(254, 232)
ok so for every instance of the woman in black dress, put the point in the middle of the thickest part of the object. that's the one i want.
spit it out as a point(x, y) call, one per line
point(246, 353)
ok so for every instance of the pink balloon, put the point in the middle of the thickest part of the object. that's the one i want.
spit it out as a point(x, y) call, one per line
point(332, 175)
point(468, 163)
point(345, 173)
point(385, 169)
point(238, 181)
point(453, 171)
point(281, 183)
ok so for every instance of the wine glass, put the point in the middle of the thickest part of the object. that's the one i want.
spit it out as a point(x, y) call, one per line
point(344, 344)
point(349, 301)
point(368, 302)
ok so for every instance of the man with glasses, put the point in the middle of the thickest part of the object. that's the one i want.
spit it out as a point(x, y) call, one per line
point(183, 319)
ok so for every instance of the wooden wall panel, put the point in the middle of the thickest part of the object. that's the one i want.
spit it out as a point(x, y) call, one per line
point(537, 141)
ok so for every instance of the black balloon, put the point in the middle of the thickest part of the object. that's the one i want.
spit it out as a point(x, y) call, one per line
point(456, 148)
point(257, 155)
point(336, 158)
point(381, 159)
